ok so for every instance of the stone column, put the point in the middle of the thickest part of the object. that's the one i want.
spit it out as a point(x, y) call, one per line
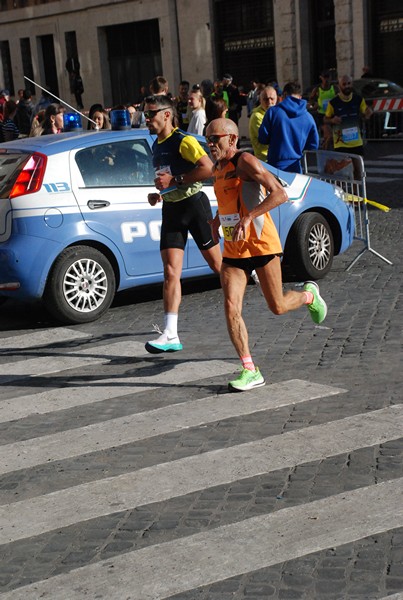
point(285, 40)
point(344, 33)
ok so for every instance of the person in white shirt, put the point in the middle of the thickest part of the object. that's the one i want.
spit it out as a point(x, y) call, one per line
point(198, 120)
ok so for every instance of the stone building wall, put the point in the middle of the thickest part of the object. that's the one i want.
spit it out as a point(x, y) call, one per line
point(285, 37)
point(187, 31)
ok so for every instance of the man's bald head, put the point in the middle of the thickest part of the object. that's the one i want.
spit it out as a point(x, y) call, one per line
point(268, 97)
point(218, 126)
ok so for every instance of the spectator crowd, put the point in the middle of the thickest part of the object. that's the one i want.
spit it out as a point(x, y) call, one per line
point(281, 124)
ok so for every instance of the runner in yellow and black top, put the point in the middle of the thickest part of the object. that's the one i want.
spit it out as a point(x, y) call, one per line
point(180, 164)
point(344, 112)
point(246, 191)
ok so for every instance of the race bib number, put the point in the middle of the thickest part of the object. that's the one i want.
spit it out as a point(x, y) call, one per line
point(350, 134)
point(228, 223)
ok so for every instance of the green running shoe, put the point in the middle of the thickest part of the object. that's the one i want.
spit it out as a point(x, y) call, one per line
point(247, 380)
point(318, 308)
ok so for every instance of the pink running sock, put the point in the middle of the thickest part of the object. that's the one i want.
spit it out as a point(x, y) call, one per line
point(247, 363)
point(308, 297)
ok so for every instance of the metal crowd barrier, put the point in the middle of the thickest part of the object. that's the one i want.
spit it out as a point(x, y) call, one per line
point(347, 172)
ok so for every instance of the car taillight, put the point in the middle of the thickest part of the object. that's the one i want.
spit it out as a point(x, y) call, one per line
point(30, 177)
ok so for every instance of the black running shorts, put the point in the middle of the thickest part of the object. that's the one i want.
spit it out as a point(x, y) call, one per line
point(250, 264)
point(187, 216)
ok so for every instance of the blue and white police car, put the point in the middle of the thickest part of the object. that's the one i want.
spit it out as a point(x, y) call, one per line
point(76, 226)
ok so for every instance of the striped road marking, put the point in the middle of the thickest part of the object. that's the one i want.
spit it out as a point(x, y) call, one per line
point(161, 570)
point(140, 426)
point(46, 337)
point(69, 397)
point(58, 509)
point(388, 168)
point(165, 569)
point(63, 360)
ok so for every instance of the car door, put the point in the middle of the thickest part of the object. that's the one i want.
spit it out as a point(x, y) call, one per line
point(111, 181)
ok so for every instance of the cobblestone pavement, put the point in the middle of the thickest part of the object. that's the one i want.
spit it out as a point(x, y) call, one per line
point(129, 476)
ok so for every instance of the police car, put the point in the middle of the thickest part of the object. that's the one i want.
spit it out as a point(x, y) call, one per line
point(76, 226)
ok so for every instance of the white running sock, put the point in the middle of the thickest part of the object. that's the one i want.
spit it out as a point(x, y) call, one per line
point(171, 323)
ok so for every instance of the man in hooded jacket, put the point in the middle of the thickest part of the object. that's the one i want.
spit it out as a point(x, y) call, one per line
point(288, 129)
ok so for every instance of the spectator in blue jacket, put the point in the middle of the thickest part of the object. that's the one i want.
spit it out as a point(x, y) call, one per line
point(288, 129)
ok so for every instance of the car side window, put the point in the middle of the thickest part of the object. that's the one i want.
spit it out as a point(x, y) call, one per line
point(119, 164)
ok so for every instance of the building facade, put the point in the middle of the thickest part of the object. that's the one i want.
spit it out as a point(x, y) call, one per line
point(122, 44)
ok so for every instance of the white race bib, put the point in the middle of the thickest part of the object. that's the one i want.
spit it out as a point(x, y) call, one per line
point(228, 223)
point(350, 134)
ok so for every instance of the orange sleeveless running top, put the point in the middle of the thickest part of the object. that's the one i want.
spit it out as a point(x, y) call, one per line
point(235, 199)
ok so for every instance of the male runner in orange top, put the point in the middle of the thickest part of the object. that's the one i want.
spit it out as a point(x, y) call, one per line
point(246, 191)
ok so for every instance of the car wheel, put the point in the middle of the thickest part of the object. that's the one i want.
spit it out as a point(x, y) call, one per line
point(310, 246)
point(81, 285)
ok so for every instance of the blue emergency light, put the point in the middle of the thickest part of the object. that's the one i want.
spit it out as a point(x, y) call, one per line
point(120, 119)
point(72, 122)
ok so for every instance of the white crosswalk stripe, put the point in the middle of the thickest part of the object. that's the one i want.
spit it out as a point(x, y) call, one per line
point(36, 367)
point(387, 168)
point(40, 338)
point(54, 400)
point(163, 569)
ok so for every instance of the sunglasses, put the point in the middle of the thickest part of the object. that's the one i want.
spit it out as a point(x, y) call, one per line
point(213, 139)
point(150, 114)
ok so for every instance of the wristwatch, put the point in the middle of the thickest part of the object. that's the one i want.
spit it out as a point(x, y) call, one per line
point(179, 179)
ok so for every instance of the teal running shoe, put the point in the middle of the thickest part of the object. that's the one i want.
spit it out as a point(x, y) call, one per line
point(247, 380)
point(165, 343)
point(318, 308)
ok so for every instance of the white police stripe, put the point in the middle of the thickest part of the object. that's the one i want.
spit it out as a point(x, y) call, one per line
point(139, 426)
point(161, 482)
point(162, 570)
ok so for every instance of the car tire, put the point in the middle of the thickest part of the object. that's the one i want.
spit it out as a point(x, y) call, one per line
point(81, 285)
point(310, 246)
